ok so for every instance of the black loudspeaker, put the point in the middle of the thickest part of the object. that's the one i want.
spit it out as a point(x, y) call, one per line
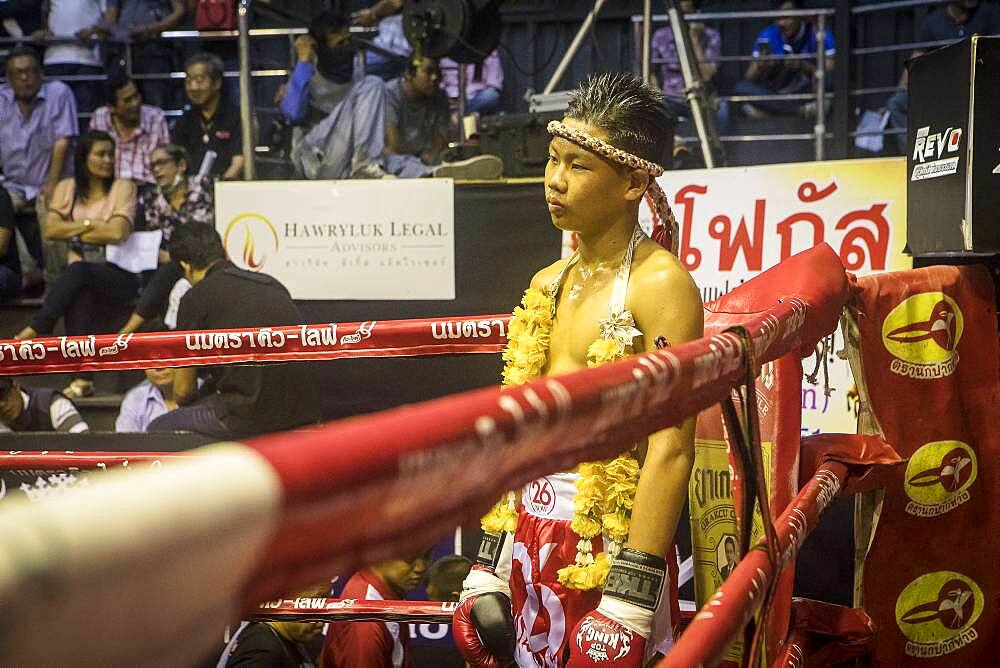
point(953, 158)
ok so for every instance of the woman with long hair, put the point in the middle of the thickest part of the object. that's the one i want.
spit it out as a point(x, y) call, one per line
point(85, 214)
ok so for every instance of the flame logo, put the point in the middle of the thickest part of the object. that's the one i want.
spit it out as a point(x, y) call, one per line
point(257, 243)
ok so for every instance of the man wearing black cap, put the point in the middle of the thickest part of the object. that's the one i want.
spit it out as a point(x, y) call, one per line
point(25, 408)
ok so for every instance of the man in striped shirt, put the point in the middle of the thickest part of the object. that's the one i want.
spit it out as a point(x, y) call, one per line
point(25, 408)
point(137, 129)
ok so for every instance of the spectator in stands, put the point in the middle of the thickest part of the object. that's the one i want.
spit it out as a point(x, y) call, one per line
point(445, 576)
point(20, 18)
point(776, 74)
point(707, 46)
point(386, 14)
point(323, 74)
point(274, 644)
point(211, 124)
point(416, 128)
point(235, 400)
point(82, 20)
point(177, 200)
point(137, 128)
point(24, 408)
point(87, 213)
point(339, 122)
point(370, 16)
point(381, 644)
point(147, 401)
point(142, 21)
point(483, 83)
point(37, 124)
point(10, 263)
point(954, 21)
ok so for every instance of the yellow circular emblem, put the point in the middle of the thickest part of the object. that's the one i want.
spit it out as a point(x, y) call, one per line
point(940, 471)
point(938, 606)
point(924, 328)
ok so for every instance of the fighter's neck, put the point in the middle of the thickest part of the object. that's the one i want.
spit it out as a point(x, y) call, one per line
point(608, 245)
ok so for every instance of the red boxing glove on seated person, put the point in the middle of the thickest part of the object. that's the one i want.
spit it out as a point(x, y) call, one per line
point(483, 627)
point(616, 632)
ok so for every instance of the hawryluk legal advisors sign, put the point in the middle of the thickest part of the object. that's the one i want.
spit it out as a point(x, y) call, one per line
point(344, 239)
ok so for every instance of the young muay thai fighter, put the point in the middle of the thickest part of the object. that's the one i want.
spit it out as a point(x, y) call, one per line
point(534, 597)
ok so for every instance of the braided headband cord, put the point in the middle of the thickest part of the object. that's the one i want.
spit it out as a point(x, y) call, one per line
point(665, 228)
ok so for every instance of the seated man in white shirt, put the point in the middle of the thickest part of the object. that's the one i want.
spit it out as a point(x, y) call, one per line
point(24, 408)
point(147, 401)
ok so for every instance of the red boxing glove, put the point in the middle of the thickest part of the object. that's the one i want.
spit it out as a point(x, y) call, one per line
point(617, 632)
point(483, 626)
point(600, 640)
point(483, 630)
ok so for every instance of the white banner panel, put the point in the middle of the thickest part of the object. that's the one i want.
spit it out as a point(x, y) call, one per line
point(361, 239)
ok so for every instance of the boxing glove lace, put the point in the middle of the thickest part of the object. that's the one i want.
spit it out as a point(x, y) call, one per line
point(616, 632)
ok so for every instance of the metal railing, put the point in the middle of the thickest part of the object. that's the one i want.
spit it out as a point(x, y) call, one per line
point(642, 29)
point(643, 56)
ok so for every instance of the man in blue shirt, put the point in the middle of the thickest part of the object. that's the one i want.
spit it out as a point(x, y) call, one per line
point(338, 120)
point(147, 401)
point(774, 73)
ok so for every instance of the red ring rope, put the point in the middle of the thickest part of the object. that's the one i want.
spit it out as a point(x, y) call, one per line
point(285, 511)
point(325, 341)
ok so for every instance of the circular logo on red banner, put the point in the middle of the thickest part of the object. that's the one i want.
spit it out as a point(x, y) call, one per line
point(922, 334)
point(938, 477)
point(936, 613)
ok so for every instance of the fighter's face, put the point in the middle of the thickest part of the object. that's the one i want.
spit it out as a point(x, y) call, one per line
point(584, 191)
point(405, 574)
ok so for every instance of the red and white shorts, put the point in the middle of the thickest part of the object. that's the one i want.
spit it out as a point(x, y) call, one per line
point(545, 611)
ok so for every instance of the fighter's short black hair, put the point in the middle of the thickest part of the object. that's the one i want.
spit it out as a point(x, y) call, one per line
point(628, 109)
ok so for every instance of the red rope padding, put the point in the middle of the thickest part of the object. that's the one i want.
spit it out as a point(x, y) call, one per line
point(706, 639)
point(47, 460)
point(403, 477)
point(324, 341)
point(353, 610)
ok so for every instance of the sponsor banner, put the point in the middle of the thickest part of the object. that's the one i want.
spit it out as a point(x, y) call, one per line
point(361, 239)
point(738, 221)
point(326, 341)
point(929, 356)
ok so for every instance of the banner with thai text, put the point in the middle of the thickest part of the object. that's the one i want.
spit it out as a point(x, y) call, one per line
point(738, 221)
point(361, 239)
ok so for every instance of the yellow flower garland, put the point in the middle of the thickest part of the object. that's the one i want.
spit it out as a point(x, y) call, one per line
point(605, 490)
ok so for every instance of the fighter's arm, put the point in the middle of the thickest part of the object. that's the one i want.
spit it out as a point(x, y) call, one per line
point(665, 303)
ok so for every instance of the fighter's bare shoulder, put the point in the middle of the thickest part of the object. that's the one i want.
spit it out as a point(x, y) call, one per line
point(663, 294)
point(544, 277)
